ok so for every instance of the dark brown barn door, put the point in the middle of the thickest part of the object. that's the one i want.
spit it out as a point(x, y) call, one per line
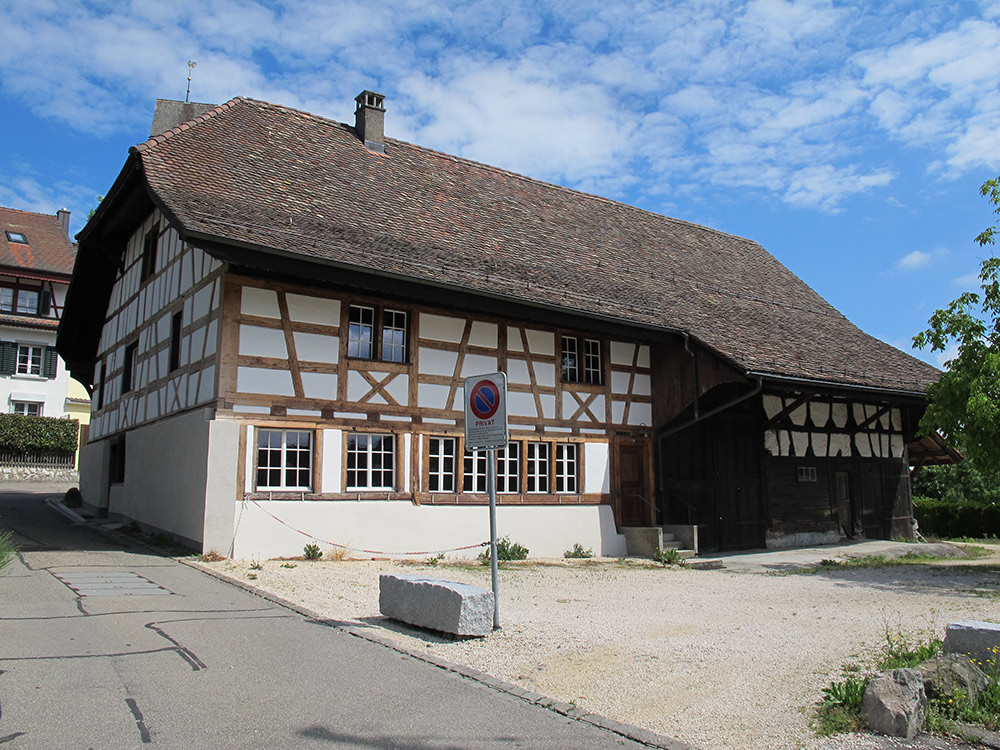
point(632, 501)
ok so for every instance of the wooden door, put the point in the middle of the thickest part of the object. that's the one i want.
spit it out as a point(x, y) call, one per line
point(634, 505)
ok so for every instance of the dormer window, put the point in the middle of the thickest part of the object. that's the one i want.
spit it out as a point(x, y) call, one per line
point(17, 237)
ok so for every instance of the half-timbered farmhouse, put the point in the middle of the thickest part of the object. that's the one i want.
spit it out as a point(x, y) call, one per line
point(276, 313)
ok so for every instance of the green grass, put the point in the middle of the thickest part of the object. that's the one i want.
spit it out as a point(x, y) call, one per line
point(7, 548)
point(839, 710)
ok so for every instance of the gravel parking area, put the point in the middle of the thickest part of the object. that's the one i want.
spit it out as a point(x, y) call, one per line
point(730, 658)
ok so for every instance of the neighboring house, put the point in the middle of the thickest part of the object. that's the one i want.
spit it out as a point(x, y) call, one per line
point(277, 311)
point(36, 264)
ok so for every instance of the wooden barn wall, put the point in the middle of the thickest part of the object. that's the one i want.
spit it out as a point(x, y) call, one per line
point(679, 378)
point(737, 474)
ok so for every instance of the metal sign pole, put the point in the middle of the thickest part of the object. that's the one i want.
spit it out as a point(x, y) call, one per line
point(491, 488)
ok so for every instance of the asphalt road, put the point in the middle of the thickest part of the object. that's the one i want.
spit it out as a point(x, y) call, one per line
point(104, 644)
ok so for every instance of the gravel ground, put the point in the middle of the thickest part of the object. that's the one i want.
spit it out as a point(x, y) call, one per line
point(716, 658)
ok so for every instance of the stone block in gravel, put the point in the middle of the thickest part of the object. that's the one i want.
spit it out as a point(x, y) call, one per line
point(895, 703)
point(445, 606)
point(978, 640)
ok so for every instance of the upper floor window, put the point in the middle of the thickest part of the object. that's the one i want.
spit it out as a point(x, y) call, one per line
point(17, 237)
point(373, 331)
point(29, 360)
point(24, 301)
point(130, 368)
point(582, 361)
point(149, 248)
point(176, 325)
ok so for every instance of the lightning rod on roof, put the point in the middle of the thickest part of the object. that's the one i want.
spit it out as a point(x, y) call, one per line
point(191, 66)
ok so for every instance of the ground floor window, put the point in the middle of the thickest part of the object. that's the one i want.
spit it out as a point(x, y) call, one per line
point(371, 461)
point(441, 464)
point(284, 460)
point(27, 408)
point(539, 467)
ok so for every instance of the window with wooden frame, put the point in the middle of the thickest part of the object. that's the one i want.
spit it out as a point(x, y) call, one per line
point(371, 462)
point(176, 326)
point(537, 470)
point(582, 360)
point(508, 469)
point(100, 384)
point(284, 460)
point(130, 368)
point(25, 300)
point(441, 464)
point(567, 468)
point(149, 248)
point(377, 333)
point(26, 408)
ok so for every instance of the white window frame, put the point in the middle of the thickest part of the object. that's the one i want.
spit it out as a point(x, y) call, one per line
point(395, 324)
point(28, 363)
point(27, 408)
point(362, 444)
point(538, 468)
point(508, 470)
point(441, 450)
point(355, 329)
point(570, 346)
point(567, 468)
point(282, 452)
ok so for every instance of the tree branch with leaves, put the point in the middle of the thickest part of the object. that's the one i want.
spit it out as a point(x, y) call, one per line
point(965, 403)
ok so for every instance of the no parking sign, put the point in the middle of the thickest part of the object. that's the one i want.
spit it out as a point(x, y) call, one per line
point(486, 411)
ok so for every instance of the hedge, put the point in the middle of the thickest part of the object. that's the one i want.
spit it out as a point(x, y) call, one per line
point(948, 520)
point(39, 434)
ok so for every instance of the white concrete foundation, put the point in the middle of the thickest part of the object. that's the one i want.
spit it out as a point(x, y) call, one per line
point(378, 528)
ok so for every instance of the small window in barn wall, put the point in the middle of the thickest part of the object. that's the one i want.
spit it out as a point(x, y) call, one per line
point(284, 460)
point(149, 247)
point(176, 325)
point(130, 369)
point(807, 473)
point(100, 385)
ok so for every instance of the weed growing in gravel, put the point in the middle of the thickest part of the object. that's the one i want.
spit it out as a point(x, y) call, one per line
point(312, 551)
point(839, 710)
point(256, 565)
point(337, 554)
point(577, 552)
point(212, 556)
point(7, 548)
point(288, 565)
point(506, 551)
point(669, 556)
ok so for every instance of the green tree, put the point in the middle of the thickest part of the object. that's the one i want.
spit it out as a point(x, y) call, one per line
point(962, 483)
point(965, 402)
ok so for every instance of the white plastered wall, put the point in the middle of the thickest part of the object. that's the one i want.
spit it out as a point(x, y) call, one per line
point(395, 527)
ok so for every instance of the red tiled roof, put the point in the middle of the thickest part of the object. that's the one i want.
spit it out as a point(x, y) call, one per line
point(253, 172)
point(49, 247)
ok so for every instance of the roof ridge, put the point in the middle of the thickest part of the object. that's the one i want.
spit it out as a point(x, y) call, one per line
point(156, 140)
point(508, 172)
point(26, 211)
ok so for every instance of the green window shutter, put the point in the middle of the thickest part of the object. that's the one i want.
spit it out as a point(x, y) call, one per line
point(45, 303)
point(49, 362)
point(8, 357)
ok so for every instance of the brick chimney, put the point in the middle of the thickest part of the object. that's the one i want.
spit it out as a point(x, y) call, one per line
point(369, 120)
point(63, 215)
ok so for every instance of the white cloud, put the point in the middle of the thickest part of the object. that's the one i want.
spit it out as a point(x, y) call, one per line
point(968, 281)
point(599, 93)
point(917, 259)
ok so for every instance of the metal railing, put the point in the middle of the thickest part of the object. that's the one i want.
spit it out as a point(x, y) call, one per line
point(31, 460)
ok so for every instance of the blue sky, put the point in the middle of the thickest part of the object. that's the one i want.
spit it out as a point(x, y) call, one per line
point(847, 138)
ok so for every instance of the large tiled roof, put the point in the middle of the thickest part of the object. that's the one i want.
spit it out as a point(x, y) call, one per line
point(49, 248)
point(273, 177)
